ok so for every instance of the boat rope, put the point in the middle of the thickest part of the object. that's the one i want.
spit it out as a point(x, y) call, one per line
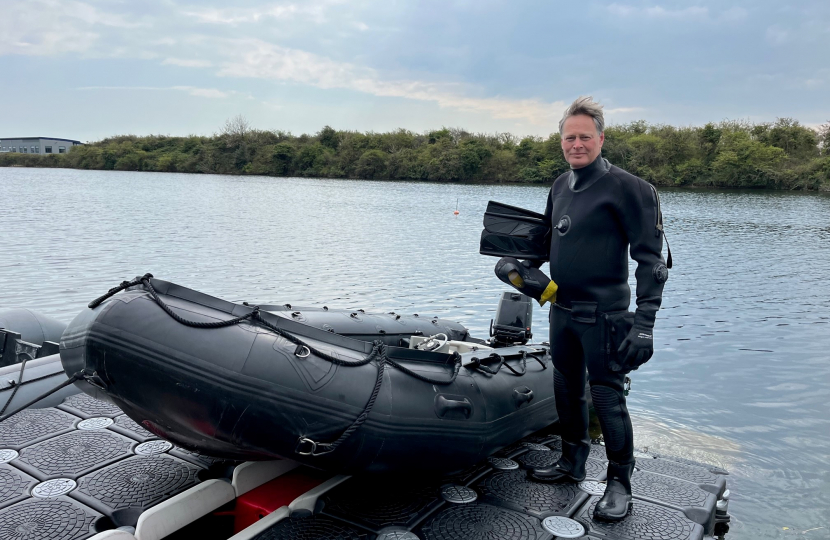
point(16, 385)
point(533, 355)
point(36, 379)
point(514, 371)
point(76, 377)
point(124, 285)
point(317, 448)
point(379, 353)
point(255, 316)
point(478, 364)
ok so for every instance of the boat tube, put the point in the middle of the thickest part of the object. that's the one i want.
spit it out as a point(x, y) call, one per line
point(27, 334)
point(29, 361)
point(242, 382)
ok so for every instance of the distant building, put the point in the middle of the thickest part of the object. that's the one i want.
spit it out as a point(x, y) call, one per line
point(37, 145)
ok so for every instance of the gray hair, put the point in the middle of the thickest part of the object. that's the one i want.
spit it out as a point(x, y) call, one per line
point(587, 106)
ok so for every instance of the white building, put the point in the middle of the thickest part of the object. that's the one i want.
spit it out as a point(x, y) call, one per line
point(37, 145)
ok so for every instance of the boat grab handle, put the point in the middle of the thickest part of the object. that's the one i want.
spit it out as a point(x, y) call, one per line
point(444, 405)
point(522, 395)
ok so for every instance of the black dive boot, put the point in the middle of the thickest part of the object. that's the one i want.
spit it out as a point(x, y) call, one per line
point(569, 468)
point(616, 503)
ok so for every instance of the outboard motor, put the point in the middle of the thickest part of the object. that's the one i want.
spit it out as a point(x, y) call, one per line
point(513, 320)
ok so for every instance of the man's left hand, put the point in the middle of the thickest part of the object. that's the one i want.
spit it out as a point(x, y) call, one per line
point(637, 347)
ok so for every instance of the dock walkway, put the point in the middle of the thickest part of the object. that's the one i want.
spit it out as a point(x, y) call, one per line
point(85, 471)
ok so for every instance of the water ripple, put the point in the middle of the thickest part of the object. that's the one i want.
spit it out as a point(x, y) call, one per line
point(741, 375)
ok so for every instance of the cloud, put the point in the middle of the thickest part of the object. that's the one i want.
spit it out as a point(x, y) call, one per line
point(733, 14)
point(237, 16)
point(660, 13)
point(197, 36)
point(623, 110)
point(192, 90)
point(203, 92)
point(657, 12)
point(314, 10)
point(817, 79)
point(777, 35)
point(50, 27)
point(186, 62)
point(252, 58)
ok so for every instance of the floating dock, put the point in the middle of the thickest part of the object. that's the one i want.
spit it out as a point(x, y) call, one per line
point(84, 470)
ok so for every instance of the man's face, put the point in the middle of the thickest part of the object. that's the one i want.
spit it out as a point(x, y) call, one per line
point(580, 141)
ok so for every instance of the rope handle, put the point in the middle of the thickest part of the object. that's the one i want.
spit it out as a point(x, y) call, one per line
point(479, 366)
point(115, 290)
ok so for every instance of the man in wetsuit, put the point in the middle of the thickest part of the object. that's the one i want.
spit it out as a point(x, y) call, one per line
point(598, 211)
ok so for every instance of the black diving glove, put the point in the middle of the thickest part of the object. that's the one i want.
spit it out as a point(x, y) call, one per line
point(526, 279)
point(637, 347)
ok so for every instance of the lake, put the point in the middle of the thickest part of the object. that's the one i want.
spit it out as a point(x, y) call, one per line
point(741, 372)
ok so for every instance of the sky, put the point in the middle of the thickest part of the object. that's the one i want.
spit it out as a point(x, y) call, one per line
point(91, 69)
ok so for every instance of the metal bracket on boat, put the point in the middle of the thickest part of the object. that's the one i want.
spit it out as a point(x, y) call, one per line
point(298, 352)
point(314, 446)
point(94, 379)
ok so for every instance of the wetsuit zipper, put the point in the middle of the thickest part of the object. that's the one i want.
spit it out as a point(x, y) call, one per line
point(659, 221)
point(658, 225)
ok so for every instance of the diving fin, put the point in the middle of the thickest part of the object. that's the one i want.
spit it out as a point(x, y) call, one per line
point(500, 245)
point(494, 207)
point(510, 231)
point(515, 225)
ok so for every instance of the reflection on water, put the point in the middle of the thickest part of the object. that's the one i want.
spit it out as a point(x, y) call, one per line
point(741, 376)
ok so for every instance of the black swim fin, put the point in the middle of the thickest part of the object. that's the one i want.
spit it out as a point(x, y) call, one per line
point(510, 231)
point(494, 207)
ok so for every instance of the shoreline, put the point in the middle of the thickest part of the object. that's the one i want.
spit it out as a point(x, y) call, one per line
point(774, 156)
point(518, 183)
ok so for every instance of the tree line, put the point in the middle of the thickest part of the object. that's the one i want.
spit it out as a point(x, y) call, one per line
point(732, 154)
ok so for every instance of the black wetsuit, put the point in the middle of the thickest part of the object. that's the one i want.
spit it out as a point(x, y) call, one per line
point(598, 212)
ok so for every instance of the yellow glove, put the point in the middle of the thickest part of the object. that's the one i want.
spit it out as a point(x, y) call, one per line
point(527, 280)
point(549, 294)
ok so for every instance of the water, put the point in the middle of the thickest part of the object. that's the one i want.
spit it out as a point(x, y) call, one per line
point(740, 378)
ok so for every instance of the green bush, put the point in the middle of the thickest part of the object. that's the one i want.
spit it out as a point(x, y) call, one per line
point(372, 164)
point(782, 154)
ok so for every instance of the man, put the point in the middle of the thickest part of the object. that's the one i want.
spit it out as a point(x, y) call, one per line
point(597, 211)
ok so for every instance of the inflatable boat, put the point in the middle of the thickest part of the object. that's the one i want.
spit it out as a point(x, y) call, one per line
point(342, 391)
point(80, 469)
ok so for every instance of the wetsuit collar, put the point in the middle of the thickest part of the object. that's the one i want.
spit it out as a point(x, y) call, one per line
point(583, 178)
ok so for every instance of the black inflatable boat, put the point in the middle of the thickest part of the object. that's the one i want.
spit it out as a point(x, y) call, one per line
point(344, 391)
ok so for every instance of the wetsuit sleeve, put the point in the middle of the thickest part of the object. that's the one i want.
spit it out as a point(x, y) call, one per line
point(640, 214)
